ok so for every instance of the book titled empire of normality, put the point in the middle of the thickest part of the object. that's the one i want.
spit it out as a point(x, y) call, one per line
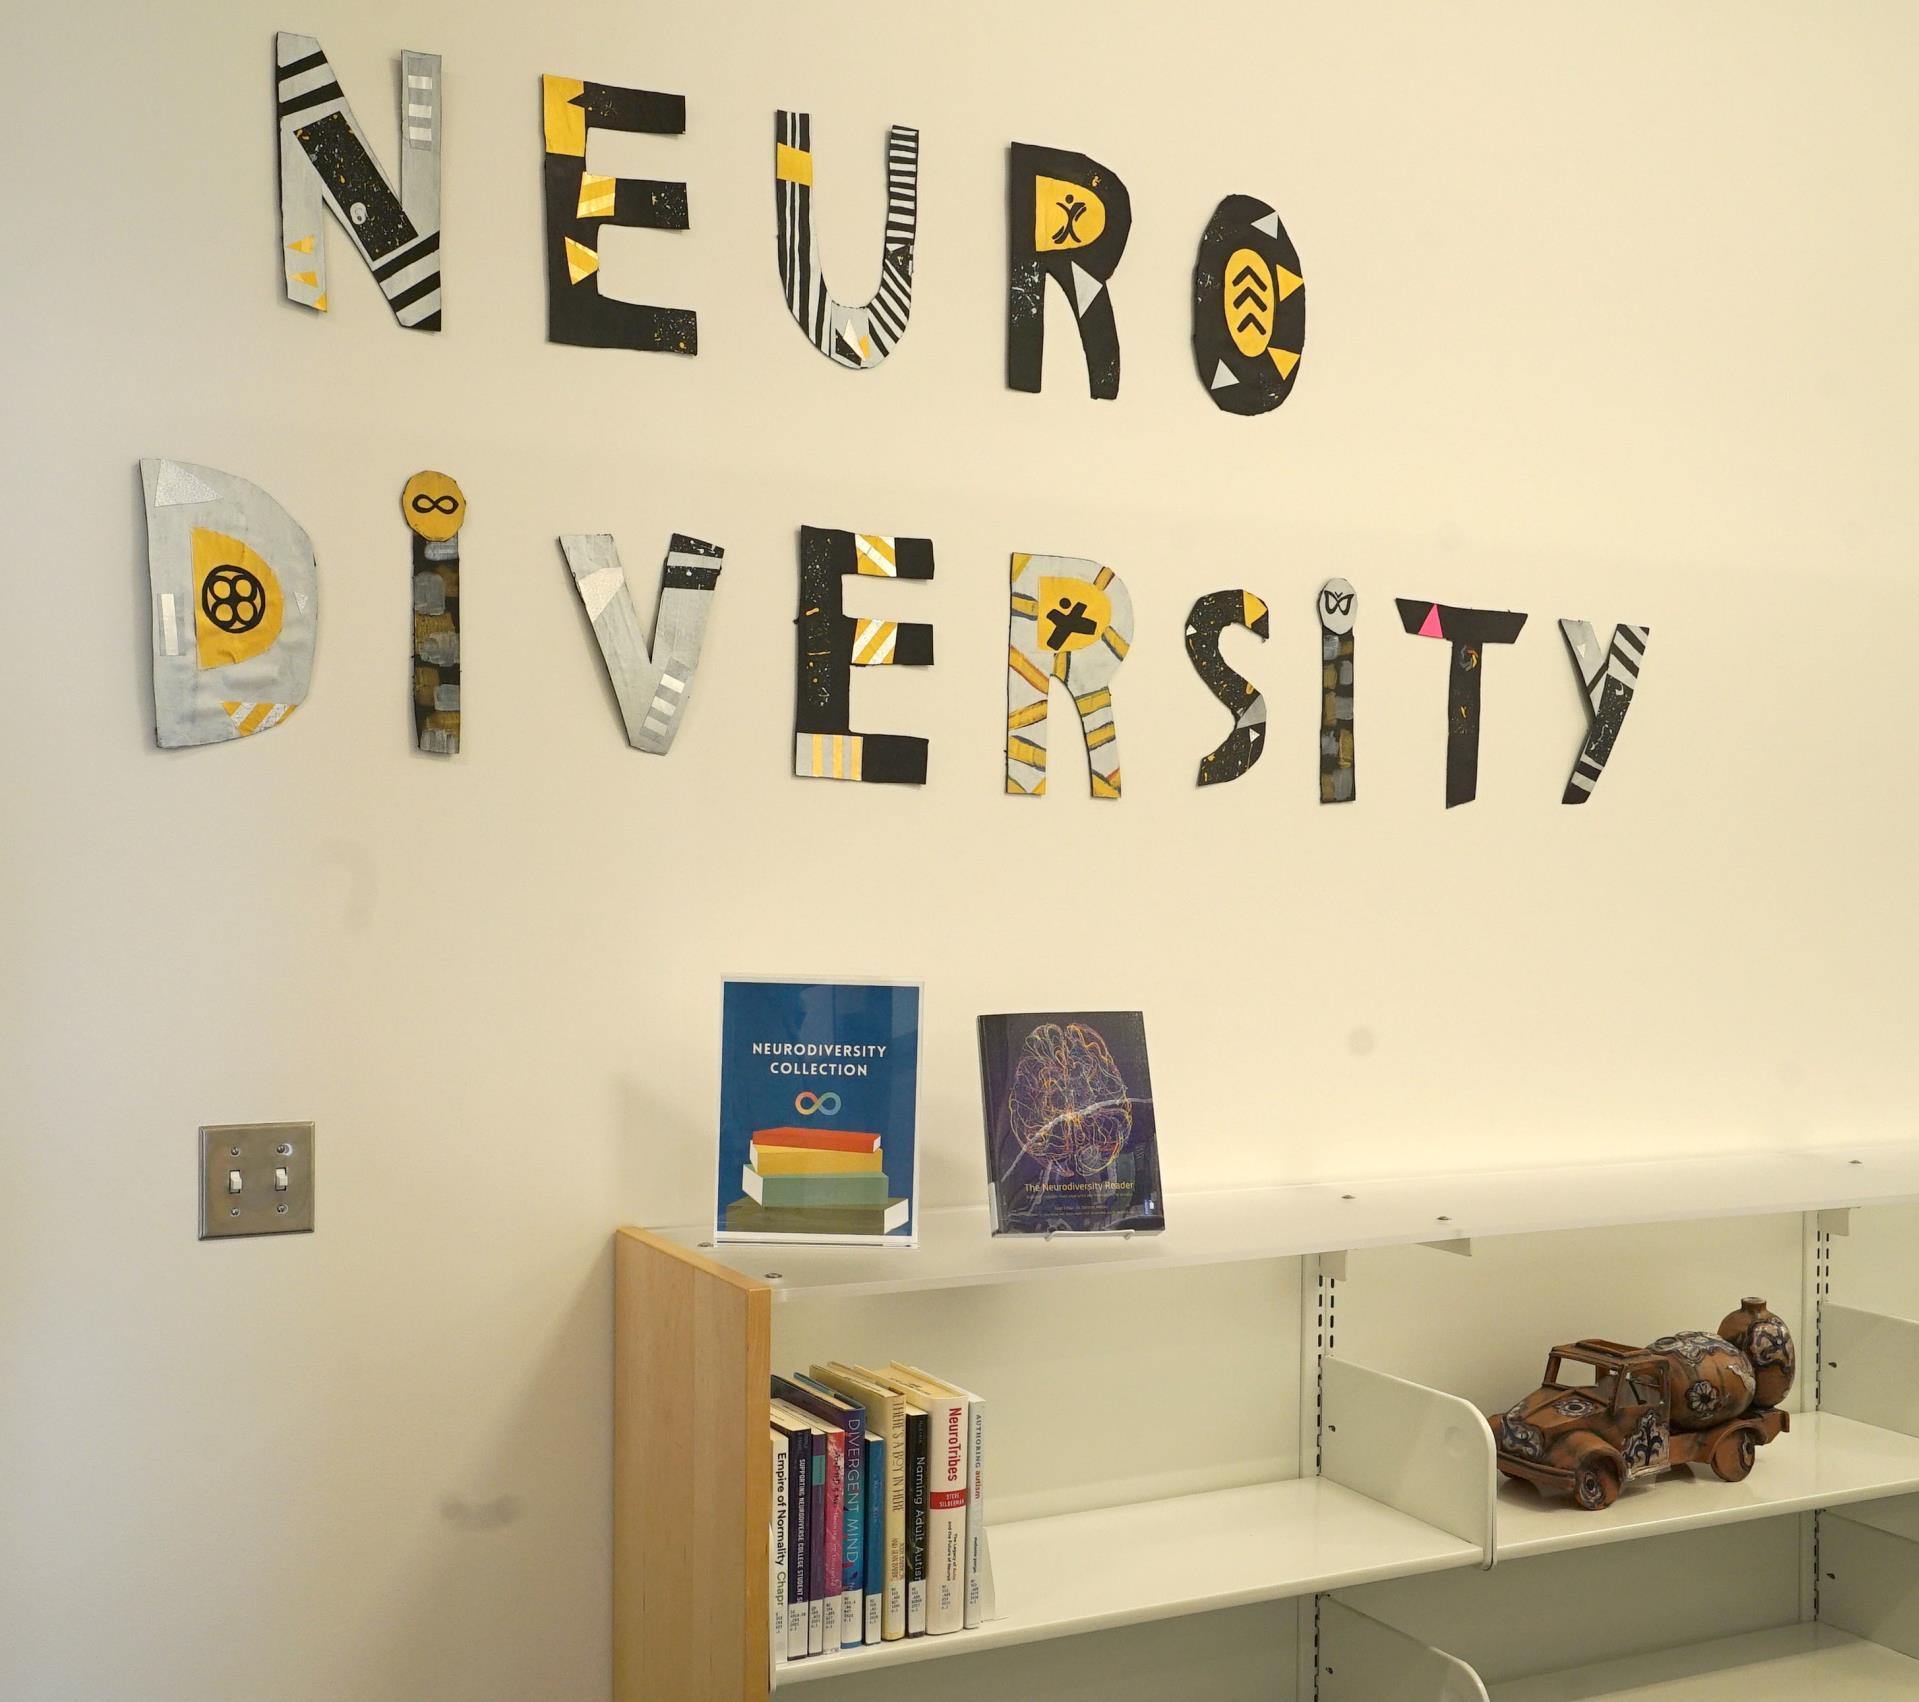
point(819, 1101)
point(1071, 1141)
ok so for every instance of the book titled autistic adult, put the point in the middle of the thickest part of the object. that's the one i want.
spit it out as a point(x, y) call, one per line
point(819, 1088)
point(1071, 1140)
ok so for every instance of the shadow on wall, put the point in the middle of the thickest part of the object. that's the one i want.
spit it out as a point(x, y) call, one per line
point(512, 1603)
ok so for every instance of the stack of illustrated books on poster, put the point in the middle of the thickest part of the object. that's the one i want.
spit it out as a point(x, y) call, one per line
point(877, 1529)
point(815, 1182)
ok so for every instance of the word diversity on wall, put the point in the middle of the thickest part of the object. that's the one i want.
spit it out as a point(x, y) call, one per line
point(225, 550)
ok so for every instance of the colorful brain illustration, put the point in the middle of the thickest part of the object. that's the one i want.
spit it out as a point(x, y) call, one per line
point(1070, 1107)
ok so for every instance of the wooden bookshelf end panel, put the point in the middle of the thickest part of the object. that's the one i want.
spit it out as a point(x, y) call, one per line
point(692, 1476)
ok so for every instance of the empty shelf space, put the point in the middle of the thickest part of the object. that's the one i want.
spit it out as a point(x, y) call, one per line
point(1079, 1572)
point(1796, 1663)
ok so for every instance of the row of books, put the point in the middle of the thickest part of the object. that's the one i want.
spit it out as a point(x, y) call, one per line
point(877, 1529)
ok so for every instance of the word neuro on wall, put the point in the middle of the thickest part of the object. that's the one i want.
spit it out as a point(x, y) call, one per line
point(226, 551)
point(1070, 218)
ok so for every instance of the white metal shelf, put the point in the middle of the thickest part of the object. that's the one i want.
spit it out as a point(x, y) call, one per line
point(1796, 1663)
point(1823, 1461)
point(1088, 1571)
point(957, 1249)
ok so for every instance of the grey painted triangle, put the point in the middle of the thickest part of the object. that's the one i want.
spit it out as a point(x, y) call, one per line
point(1269, 224)
point(1222, 378)
point(1086, 287)
point(175, 484)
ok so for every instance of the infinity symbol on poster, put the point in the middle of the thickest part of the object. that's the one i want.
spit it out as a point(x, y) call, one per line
point(826, 1104)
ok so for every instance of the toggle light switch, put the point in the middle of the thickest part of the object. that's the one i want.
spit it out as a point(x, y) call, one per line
point(255, 1179)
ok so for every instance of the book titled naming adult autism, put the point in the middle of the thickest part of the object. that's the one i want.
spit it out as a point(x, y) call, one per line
point(1071, 1143)
point(819, 1101)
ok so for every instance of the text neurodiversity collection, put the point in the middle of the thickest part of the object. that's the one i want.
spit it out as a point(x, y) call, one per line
point(818, 1059)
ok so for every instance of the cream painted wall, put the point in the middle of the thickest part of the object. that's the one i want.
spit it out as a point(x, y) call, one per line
point(1609, 318)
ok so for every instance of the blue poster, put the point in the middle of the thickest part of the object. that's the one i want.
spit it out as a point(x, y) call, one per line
point(819, 1101)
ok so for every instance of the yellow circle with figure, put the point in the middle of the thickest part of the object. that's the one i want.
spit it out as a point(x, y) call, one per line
point(1073, 613)
point(434, 505)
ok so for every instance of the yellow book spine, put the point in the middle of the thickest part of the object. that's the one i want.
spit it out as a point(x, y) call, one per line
point(802, 1161)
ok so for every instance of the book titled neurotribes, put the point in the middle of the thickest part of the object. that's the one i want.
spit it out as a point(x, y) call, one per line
point(819, 1102)
point(1071, 1140)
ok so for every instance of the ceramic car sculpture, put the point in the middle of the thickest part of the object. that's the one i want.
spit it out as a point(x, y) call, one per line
point(1605, 1413)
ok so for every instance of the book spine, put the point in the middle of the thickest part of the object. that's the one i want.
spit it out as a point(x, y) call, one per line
point(799, 1477)
point(833, 1549)
point(846, 1469)
point(777, 1555)
point(820, 1140)
point(916, 1524)
point(895, 1615)
point(948, 1490)
point(979, 1565)
point(875, 1539)
point(816, 1545)
point(853, 1541)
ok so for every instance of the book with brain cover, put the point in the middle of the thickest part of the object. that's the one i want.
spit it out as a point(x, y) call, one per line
point(819, 1105)
point(1071, 1141)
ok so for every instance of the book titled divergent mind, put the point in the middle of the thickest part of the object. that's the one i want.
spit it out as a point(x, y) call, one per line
point(1071, 1141)
point(819, 1101)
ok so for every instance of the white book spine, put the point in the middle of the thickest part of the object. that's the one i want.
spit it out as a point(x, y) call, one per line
point(948, 1491)
point(795, 1627)
point(875, 1617)
point(779, 1553)
point(852, 1618)
point(915, 1607)
point(979, 1565)
point(829, 1627)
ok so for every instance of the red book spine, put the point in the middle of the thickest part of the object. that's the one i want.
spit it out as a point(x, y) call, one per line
point(818, 1140)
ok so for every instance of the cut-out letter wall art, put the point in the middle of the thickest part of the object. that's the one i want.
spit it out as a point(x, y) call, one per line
point(324, 158)
point(1246, 743)
point(435, 508)
point(1249, 308)
point(832, 644)
point(1071, 620)
point(1069, 220)
point(653, 683)
point(579, 205)
point(1608, 678)
point(862, 336)
point(1338, 774)
point(235, 605)
point(1468, 631)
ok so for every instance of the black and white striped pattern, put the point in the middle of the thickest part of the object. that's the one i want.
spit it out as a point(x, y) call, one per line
point(858, 337)
point(1609, 678)
point(324, 159)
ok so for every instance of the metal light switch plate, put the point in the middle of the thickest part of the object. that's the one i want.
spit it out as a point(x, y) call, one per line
point(255, 1179)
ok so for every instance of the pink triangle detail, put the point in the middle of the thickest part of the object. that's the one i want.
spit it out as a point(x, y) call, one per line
point(1431, 627)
